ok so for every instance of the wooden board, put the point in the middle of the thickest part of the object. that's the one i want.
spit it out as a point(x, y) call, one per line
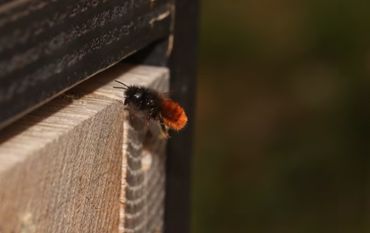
point(78, 164)
point(48, 46)
point(182, 65)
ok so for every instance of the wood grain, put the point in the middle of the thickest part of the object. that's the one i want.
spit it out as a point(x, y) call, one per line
point(47, 47)
point(81, 163)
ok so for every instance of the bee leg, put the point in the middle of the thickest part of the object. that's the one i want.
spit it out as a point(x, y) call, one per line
point(164, 132)
point(164, 129)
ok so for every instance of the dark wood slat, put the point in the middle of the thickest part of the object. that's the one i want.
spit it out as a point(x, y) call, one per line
point(182, 65)
point(47, 46)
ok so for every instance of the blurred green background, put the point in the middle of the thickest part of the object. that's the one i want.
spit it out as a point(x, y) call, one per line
point(283, 117)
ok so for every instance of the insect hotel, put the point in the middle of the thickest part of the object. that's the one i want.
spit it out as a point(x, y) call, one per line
point(73, 156)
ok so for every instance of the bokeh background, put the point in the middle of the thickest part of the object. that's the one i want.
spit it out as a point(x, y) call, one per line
point(283, 117)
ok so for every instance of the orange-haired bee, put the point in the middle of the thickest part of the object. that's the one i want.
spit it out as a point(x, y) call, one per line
point(154, 106)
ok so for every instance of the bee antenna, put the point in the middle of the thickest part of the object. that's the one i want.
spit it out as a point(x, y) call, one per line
point(123, 84)
point(123, 88)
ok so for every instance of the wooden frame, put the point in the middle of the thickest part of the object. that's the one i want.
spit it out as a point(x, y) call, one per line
point(47, 47)
point(182, 66)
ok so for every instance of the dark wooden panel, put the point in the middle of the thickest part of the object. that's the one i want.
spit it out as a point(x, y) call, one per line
point(182, 65)
point(48, 46)
point(155, 54)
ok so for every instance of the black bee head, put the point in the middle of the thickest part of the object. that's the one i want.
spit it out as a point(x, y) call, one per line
point(143, 100)
point(134, 96)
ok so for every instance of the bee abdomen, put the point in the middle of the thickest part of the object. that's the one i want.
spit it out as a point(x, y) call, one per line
point(173, 115)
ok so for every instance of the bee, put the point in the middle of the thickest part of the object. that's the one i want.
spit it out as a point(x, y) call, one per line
point(154, 106)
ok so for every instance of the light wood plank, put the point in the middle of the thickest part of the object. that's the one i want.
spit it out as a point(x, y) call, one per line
point(79, 164)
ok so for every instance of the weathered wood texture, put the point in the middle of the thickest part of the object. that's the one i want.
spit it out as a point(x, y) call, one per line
point(82, 164)
point(48, 46)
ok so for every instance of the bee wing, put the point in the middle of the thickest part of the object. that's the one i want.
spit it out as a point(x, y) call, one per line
point(166, 95)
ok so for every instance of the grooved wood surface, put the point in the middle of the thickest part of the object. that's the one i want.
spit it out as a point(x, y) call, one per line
point(81, 163)
point(145, 187)
point(48, 46)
